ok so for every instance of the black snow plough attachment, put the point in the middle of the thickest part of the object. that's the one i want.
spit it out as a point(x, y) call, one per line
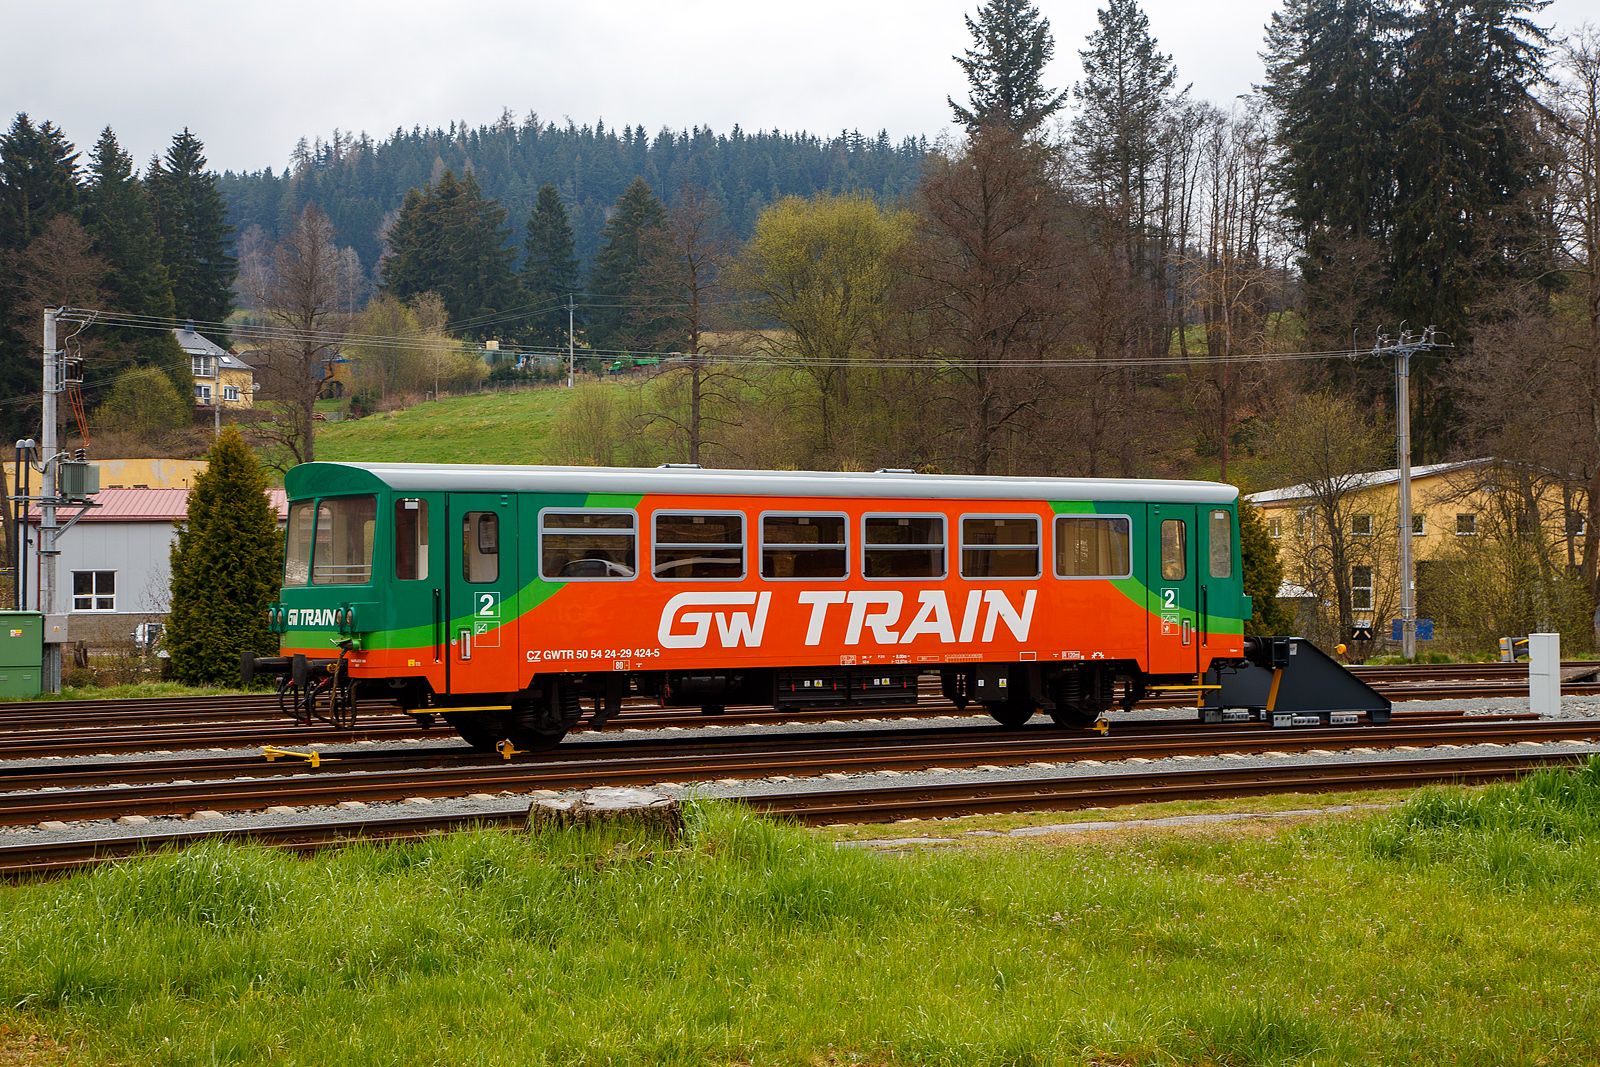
point(1288, 681)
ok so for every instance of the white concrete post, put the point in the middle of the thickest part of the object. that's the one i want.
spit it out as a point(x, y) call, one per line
point(1544, 674)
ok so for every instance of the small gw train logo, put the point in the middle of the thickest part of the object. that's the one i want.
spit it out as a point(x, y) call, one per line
point(312, 617)
point(688, 619)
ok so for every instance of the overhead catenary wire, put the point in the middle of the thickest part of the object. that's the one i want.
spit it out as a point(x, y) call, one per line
point(268, 333)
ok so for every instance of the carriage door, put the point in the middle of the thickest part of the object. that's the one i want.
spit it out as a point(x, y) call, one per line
point(1173, 581)
point(482, 571)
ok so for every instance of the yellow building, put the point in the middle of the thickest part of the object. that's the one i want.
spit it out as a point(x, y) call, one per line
point(219, 376)
point(129, 474)
point(1455, 507)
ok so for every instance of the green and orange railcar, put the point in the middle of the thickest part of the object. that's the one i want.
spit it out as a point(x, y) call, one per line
point(513, 600)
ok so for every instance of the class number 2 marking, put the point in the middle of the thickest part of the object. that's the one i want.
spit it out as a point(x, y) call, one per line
point(488, 605)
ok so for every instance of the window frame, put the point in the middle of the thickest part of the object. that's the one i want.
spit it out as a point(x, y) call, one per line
point(944, 544)
point(1055, 546)
point(1212, 514)
point(203, 366)
point(1038, 546)
point(94, 594)
point(1473, 517)
point(1183, 551)
point(761, 541)
point(1419, 525)
point(421, 560)
point(202, 392)
point(744, 542)
point(318, 503)
point(1370, 588)
point(1275, 527)
point(230, 394)
point(1355, 525)
point(636, 533)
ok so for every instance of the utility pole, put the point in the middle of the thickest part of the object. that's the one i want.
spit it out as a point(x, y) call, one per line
point(1403, 350)
point(569, 341)
point(51, 680)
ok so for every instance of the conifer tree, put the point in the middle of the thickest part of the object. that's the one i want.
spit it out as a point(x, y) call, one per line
point(226, 567)
point(1011, 45)
point(621, 270)
point(38, 182)
point(452, 241)
point(1262, 574)
point(116, 215)
point(549, 267)
point(192, 222)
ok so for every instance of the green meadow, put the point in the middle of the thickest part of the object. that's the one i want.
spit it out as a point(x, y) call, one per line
point(1455, 928)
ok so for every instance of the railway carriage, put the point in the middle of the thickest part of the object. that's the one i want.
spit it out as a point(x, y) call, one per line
point(513, 600)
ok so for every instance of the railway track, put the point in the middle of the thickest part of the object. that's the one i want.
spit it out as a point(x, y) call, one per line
point(183, 787)
point(79, 728)
point(875, 804)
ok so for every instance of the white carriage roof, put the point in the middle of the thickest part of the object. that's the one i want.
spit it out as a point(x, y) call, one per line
point(423, 477)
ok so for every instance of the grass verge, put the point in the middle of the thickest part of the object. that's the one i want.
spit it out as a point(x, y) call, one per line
point(1452, 929)
point(508, 427)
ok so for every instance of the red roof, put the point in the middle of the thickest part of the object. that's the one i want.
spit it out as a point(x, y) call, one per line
point(148, 505)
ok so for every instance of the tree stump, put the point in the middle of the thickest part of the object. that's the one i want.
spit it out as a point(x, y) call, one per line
point(608, 806)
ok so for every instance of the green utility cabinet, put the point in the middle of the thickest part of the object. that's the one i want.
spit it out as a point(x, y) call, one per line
point(21, 653)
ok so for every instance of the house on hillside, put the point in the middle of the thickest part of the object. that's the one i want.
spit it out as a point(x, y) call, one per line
point(219, 376)
point(1456, 508)
point(114, 570)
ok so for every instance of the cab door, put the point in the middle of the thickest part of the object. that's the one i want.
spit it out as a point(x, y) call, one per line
point(1172, 579)
point(482, 592)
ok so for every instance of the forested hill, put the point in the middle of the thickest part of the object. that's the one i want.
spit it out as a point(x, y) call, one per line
point(357, 180)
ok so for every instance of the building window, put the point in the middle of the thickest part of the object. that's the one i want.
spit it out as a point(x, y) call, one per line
point(231, 393)
point(202, 393)
point(94, 590)
point(1418, 527)
point(1467, 524)
point(1361, 525)
point(204, 366)
point(1577, 523)
point(1361, 588)
point(1275, 527)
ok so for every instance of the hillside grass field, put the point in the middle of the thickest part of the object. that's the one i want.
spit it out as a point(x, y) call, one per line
point(1454, 928)
point(493, 427)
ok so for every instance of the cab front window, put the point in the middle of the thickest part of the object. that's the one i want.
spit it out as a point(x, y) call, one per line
point(342, 553)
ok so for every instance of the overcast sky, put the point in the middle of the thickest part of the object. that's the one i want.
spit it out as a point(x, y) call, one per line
point(250, 79)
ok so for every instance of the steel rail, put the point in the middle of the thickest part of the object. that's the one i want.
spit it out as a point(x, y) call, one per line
point(745, 759)
point(876, 804)
point(1153, 739)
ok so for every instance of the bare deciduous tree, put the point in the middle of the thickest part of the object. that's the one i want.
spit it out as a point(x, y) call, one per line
point(301, 299)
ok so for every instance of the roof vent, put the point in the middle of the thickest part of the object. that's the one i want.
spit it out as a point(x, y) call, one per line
point(679, 466)
point(894, 470)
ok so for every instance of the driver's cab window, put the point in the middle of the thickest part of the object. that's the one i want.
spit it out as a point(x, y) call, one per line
point(588, 545)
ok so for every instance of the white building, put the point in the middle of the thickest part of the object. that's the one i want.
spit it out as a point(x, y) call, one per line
point(114, 570)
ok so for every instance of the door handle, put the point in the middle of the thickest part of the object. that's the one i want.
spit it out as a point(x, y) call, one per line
point(466, 644)
point(1186, 630)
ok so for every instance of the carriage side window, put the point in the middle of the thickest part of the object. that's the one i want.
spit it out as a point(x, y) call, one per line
point(1174, 550)
point(342, 554)
point(588, 545)
point(698, 547)
point(1093, 546)
point(1004, 546)
point(1221, 542)
point(480, 546)
point(908, 546)
point(803, 546)
point(410, 539)
point(297, 553)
